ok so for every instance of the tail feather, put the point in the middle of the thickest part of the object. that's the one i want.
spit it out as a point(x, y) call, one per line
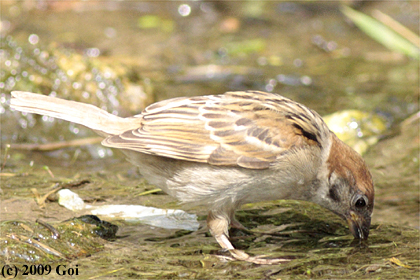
point(88, 115)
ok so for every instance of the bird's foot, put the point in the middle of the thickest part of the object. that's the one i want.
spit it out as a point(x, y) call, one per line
point(242, 256)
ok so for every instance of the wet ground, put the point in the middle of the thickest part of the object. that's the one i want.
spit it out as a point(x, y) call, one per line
point(123, 55)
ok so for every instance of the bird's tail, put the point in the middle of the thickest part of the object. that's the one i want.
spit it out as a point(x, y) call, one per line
point(88, 115)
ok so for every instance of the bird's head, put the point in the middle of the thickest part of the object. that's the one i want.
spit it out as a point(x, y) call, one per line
point(346, 188)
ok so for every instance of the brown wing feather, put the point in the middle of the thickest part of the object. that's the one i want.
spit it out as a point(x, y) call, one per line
point(248, 129)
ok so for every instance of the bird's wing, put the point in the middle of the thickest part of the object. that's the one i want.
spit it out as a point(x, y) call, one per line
point(248, 129)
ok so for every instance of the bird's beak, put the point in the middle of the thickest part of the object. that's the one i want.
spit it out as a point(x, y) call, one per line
point(359, 225)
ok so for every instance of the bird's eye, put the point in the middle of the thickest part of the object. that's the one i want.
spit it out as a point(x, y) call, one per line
point(360, 202)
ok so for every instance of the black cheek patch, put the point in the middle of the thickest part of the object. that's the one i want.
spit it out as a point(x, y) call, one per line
point(333, 193)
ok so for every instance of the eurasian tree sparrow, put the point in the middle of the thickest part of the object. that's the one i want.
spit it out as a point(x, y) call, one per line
point(222, 151)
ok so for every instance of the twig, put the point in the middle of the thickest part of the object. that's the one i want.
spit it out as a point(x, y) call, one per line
point(56, 145)
point(6, 153)
point(397, 27)
point(49, 171)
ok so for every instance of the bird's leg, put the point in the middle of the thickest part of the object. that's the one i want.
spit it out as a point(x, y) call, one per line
point(235, 224)
point(218, 223)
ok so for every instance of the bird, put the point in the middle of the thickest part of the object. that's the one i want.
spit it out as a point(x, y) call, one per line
point(223, 151)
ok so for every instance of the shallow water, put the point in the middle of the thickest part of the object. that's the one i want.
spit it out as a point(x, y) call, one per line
point(306, 51)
